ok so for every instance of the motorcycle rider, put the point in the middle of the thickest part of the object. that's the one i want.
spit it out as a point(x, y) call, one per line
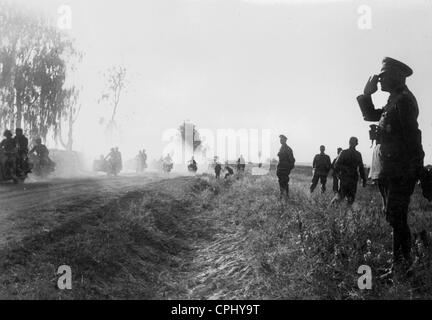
point(167, 163)
point(192, 165)
point(7, 145)
point(21, 143)
point(42, 153)
point(112, 160)
point(119, 159)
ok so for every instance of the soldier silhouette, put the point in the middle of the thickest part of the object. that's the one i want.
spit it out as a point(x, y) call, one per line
point(321, 166)
point(284, 167)
point(348, 165)
point(399, 152)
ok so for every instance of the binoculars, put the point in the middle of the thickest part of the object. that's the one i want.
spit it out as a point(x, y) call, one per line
point(374, 133)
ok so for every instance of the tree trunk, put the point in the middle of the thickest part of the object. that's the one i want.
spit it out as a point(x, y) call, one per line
point(70, 133)
point(69, 142)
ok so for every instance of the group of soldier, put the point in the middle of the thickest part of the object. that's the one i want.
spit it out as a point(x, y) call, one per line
point(16, 151)
point(346, 169)
point(397, 162)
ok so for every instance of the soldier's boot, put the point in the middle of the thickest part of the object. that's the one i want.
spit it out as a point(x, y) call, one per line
point(312, 188)
point(402, 260)
point(397, 270)
point(409, 264)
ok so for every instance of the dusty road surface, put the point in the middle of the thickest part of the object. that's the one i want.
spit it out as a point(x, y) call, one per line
point(40, 206)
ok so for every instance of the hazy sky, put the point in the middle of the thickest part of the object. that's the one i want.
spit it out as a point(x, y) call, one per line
point(294, 67)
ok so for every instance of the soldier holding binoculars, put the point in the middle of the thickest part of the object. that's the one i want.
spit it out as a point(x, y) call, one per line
point(400, 152)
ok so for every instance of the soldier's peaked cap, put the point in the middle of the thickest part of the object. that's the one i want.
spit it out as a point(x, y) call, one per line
point(283, 137)
point(393, 64)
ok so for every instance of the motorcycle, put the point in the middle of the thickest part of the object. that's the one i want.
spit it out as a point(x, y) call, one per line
point(110, 166)
point(114, 168)
point(167, 167)
point(7, 173)
point(100, 165)
point(41, 167)
point(192, 167)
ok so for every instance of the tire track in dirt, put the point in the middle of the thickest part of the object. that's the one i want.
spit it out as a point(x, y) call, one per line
point(218, 266)
point(40, 206)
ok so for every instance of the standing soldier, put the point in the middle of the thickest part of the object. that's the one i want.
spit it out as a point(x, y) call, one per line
point(348, 165)
point(400, 152)
point(242, 163)
point(321, 166)
point(285, 165)
point(217, 170)
point(334, 173)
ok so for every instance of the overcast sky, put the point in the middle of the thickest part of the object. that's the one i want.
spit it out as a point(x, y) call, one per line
point(294, 67)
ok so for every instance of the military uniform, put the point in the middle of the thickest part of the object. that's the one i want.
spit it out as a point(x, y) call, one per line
point(400, 155)
point(217, 169)
point(284, 167)
point(21, 143)
point(321, 165)
point(8, 146)
point(41, 151)
point(348, 165)
point(230, 171)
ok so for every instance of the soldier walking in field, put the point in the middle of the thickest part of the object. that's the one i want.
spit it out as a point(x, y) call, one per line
point(399, 152)
point(348, 166)
point(217, 170)
point(284, 167)
point(321, 166)
point(334, 173)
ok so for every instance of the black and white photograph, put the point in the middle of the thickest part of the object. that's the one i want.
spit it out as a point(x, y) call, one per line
point(232, 150)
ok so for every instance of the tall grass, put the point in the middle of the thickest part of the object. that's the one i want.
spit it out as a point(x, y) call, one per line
point(306, 249)
point(202, 238)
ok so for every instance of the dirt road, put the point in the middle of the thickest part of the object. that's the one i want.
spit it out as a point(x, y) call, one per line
point(39, 206)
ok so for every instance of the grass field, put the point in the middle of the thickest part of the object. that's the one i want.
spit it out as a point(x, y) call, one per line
point(198, 238)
